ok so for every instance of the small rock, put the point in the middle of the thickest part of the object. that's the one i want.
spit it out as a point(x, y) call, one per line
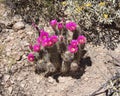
point(18, 26)
point(23, 84)
point(9, 26)
point(24, 57)
point(86, 78)
point(20, 78)
point(6, 77)
point(50, 80)
point(18, 57)
point(10, 90)
point(62, 79)
point(17, 18)
point(74, 66)
point(38, 79)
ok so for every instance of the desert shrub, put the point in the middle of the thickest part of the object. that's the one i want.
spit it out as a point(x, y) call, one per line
point(99, 20)
point(32, 10)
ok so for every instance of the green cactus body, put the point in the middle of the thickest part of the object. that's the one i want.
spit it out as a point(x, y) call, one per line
point(55, 57)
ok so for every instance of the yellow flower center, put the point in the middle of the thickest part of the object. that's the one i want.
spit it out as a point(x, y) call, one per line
point(102, 4)
point(105, 16)
point(64, 3)
point(78, 9)
point(88, 4)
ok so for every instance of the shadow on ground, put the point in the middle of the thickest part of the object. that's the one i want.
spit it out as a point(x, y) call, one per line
point(84, 62)
point(77, 74)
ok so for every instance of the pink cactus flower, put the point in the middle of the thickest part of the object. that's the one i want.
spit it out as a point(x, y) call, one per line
point(47, 42)
point(31, 57)
point(53, 23)
point(54, 38)
point(39, 40)
point(74, 43)
point(43, 35)
point(60, 26)
point(72, 49)
point(81, 39)
point(50, 42)
point(36, 48)
point(71, 26)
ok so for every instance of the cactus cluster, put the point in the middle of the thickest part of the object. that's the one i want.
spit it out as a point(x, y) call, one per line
point(59, 51)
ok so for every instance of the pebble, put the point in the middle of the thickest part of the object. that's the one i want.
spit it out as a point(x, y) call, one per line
point(64, 79)
point(17, 18)
point(19, 25)
point(9, 25)
point(18, 57)
point(6, 77)
point(23, 84)
point(50, 80)
point(38, 79)
point(74, 66)
point(10, 90)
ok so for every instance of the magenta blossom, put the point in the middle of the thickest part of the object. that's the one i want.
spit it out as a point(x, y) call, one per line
point(54, 38)
point(53, 23)
point(81, 39)
point(36, 48)
point(74, 43)
point(43, 35)
point(72, 49)
point(47, 42)
point(71, 26)
point(31, 57)
point(39, 40)
point(60, 26)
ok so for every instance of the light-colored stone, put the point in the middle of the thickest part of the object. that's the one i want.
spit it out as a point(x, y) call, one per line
point(18, 26)
point(51, 80)
point(23, 84)
point(6, 77)
point(10, 90)
point(17, 18)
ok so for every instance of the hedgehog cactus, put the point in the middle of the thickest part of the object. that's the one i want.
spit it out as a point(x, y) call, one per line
point(60, 52)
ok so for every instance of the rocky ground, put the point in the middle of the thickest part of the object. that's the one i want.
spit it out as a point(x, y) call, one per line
point(17, 75)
